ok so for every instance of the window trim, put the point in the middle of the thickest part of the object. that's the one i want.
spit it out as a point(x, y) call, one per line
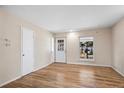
point(87, 60)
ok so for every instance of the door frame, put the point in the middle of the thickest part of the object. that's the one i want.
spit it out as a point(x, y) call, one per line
point(65, 49)
point(21, 53)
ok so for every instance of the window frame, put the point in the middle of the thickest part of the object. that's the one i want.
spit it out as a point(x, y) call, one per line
point(86, 60)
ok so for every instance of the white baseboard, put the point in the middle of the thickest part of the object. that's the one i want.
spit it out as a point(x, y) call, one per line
point(21, 75)
point(98, 65)
point(41, 67)
point(9, 81)
point(117, 71)
point(79, 63)
point(67, 63)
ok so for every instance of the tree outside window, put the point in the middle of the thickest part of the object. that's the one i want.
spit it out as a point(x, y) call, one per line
point(86, 48)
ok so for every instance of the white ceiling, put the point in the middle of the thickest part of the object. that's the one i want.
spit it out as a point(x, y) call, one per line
point(66, 18)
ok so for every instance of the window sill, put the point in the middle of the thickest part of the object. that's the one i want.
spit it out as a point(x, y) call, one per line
point(86, 60)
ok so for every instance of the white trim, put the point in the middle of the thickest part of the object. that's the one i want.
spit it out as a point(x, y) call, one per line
point(41, 67)
point(22, 75)
point(117, 71)
point(10, 81)
point(67, 63)
point(88, 60)
point(88, 64)
point(21, 49)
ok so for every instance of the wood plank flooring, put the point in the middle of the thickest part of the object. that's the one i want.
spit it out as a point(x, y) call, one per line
point(59, 75)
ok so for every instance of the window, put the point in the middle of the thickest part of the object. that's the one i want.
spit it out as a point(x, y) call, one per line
point(86, 48)
point(60, 45)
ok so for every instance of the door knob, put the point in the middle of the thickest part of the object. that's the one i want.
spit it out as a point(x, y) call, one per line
point(23, 55)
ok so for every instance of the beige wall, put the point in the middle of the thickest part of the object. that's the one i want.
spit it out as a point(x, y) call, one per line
point(104, 41)
point(118, 46)
point(102, 46)
point(10, 58)
point(1, 47)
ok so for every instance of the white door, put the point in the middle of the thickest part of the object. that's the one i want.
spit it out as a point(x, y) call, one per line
point(60, 50)
point(27, 51)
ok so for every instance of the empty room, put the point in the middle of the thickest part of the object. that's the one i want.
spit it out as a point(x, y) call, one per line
point(62, 46)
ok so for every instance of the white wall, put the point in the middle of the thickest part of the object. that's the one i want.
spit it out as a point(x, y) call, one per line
point(118, 46)
point(10, 57)
point(102, 46)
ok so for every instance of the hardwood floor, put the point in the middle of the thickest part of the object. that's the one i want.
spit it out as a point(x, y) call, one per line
point(67, 75)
